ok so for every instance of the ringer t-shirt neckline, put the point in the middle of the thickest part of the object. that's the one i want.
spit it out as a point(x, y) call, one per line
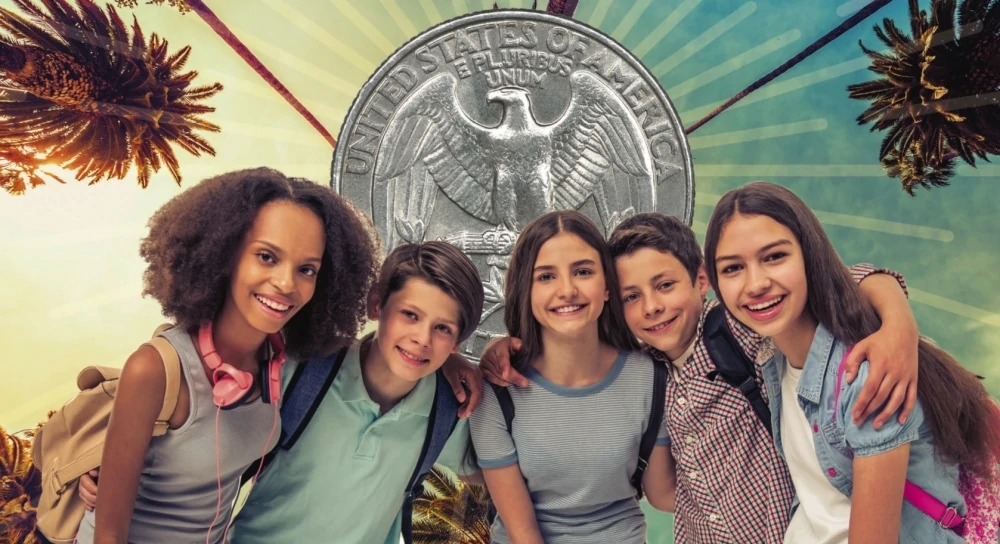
point(562, 391)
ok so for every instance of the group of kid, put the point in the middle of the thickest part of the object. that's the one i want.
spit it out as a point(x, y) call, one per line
point(252, 263)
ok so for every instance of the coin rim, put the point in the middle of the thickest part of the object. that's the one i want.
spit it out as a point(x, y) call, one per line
point(506, 14)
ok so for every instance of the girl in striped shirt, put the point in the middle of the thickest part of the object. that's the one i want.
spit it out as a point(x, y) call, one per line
point(562, 472)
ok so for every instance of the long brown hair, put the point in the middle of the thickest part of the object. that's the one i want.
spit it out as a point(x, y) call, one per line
point(962, 416)
point(518, 317)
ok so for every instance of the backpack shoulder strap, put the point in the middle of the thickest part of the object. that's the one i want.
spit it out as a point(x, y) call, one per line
point(306, 391)
point(648, 440)
point(440, 424)
point(172, 367)
point(732, 364)
point(506, 405)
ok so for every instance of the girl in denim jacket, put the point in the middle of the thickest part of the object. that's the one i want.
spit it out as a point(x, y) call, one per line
point(776, 271)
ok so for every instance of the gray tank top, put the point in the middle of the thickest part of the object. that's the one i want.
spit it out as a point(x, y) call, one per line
point(178, 488)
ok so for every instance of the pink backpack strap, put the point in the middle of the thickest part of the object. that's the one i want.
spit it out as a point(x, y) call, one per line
point(946, 516)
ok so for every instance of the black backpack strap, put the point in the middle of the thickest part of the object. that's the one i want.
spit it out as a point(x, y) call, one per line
point(733, 364)
point(648, 440)
point(440, 425)
point(506, 405)
point(304, 394)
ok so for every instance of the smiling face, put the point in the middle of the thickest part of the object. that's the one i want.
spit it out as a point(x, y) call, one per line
point(276, 268)
point(762, 276)
point(662, 304)
point(568, 288)
point(418, 327)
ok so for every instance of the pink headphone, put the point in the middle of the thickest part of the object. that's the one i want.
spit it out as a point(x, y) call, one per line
point(232, 387)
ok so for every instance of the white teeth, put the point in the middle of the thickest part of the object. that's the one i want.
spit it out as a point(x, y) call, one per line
point(659, 327)
point(764, 305)
point(272, 304)
point(410, 355)
point(567, 309)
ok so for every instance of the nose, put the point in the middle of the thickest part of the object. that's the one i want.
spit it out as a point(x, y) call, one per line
point(758, 281)
point(567, 288)
point(283, 278)
point(651, 306)
point(421, 334)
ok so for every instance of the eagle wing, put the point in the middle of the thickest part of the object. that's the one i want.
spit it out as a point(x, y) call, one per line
point(599, 150)
point(431, 142)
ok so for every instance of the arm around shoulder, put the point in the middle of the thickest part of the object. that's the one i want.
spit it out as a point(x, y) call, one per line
point(137, 404)
point(863, 437)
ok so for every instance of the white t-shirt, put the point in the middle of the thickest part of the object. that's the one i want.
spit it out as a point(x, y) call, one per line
point(824, 512)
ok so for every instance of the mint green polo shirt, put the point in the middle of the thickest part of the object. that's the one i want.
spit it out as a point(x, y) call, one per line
point(344, 479)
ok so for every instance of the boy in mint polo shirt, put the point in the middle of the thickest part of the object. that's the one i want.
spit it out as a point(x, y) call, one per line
point(344, 479)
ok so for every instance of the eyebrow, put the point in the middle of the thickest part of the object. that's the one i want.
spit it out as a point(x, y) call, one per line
point(279, 251)
point(654, 280)
point(764, 249)
point(572, 265)
point(418, 310)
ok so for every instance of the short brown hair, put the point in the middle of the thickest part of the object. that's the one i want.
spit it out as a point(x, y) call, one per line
point(194, 239)
point(661, 232)
point(440, 264)
point(518, 317)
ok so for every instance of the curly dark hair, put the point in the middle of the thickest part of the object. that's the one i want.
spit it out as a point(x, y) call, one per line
point(193, 240)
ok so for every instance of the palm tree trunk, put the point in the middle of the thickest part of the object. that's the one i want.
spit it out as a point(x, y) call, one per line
point(848, 24)
point(562, 7)
point(12, 59)
point(220, 28)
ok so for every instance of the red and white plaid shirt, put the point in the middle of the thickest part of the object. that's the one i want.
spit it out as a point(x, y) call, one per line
point(732, 485)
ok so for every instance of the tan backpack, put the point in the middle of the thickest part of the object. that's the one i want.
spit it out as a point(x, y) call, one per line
point(71, 442)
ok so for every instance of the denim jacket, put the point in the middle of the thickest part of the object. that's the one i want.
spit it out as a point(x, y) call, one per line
point(838, 439)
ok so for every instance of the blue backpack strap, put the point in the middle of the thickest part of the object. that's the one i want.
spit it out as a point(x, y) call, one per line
point(304, 394)
point(648, 440)
point(440, 424)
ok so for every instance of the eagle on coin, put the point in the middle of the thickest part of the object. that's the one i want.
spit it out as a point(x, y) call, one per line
point(508, 174)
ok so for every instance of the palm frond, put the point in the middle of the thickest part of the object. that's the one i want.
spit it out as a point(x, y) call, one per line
point(922, 77)
point(103, 98)
point(450, 511)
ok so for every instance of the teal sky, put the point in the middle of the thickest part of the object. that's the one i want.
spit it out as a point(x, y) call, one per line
point(799, 131)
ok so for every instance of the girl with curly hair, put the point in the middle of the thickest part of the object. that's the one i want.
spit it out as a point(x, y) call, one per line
point(249, 265)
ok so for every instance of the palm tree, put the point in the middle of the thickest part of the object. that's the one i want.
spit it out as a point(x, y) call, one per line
point(450, 511)
point(937, 96)
point(95, 97)
point(20, 483)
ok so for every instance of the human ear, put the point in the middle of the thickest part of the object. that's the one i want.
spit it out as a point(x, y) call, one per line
point(701, 280)
point(373, 307)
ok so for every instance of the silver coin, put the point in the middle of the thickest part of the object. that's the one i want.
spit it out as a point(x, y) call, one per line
point(483, 122)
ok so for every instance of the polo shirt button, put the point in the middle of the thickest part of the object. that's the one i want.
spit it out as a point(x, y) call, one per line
point(832, 472)
point(712, 517)
point(689, 440)
point(694, 475)
point(682, 401)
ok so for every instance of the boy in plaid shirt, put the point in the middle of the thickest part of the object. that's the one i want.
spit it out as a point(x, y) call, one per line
point(731, 484)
